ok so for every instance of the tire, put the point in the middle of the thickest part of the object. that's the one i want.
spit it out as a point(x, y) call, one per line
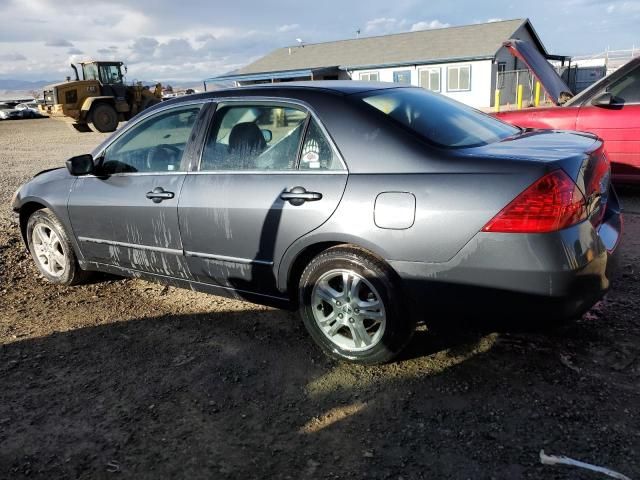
point(103, 118)
point(371, 328)
point(51, 249)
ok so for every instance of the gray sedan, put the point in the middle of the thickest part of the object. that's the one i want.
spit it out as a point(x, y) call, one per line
point(366, 207)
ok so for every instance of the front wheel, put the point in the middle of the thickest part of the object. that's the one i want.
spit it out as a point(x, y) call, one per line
point(103, 118)
point(51, 249)
point(352, 306)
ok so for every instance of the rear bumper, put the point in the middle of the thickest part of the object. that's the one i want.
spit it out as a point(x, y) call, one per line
point(559, 275)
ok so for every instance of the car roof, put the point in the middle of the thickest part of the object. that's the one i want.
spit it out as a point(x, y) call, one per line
point(282, 89)
point(346, 87)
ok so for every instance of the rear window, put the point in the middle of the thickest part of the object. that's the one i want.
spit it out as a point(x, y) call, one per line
point(438, 119)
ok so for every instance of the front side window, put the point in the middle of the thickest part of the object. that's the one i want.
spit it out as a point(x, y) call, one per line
point(627, 89)
point(154, 145)
point(430, 79)
point(254, 137)
point(403, 77)
point(459, 78)
point(110, 74)
point(369, 77)
point(438, 119)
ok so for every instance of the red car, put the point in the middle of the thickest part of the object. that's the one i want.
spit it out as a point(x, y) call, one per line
point(609, 108)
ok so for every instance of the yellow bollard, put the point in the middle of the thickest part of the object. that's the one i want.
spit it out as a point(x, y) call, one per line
point(536, 101)
point(519, 97)
point(496, 100)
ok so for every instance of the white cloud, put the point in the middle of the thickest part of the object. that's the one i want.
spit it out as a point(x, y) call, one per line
point(428, 25)
point(288, 28)
point(386, 25)
point(383, 25)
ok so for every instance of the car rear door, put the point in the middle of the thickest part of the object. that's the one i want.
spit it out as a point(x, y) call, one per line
point(268, 174)
point(618, 124)
point(127, 214)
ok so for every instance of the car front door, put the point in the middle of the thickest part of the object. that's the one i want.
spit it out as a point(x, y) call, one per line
point(618, 124)
point(268, 174)
point(126, 215)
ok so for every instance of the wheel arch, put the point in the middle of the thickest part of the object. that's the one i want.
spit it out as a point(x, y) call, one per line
point(26, 210)
point(89, 103)
point(298, 256)
point(31, 205)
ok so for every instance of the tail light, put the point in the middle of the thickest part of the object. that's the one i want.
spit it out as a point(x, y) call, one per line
point(552, 203)
point(597, 180)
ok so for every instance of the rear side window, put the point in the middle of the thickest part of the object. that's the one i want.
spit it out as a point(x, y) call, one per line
point(317, 153)
point(438, 119)
point(254, 137)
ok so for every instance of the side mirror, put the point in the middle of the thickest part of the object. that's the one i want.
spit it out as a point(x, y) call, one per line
point(603, 100)
point(80, 165)
point(267, 134)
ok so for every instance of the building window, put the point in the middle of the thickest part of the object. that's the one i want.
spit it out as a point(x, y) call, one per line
point(459, 78)
point(502, 68)
point(402, 76)
point(370, 77)
point(430, 79)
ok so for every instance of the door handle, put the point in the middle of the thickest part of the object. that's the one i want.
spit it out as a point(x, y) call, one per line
point(298, 195)
point(158, 194)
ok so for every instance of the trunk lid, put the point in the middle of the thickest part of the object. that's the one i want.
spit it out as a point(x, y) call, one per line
point(580, 155)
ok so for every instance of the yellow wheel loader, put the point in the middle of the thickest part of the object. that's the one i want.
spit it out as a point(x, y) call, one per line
point(100, 100)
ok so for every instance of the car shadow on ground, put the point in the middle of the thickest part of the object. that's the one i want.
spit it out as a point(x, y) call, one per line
point(244, 394)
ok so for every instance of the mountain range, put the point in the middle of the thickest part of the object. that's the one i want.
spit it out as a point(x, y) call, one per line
point(12, 84)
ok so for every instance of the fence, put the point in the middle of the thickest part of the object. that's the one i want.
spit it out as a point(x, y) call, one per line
point(585, 71)
point(610, 59)
point(518, 88)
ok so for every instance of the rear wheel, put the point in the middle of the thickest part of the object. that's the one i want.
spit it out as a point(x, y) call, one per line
point(352, 307)
point(51, 249)
point(103, 118)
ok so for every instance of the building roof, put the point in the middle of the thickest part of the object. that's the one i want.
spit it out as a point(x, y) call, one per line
point(466, 42)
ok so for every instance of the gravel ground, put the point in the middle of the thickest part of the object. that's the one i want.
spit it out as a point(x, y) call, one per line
point(129, 379)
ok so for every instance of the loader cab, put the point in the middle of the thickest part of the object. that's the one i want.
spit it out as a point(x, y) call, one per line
point(107, 73)
point(110, 76)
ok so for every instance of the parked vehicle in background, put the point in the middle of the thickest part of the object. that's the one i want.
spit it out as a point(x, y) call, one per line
point(29, 110)
point(9, 113)
point(100, 100)
point(362, 205)
point(610, 108)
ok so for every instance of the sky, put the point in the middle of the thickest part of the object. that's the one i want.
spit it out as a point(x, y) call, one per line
point(192, 40)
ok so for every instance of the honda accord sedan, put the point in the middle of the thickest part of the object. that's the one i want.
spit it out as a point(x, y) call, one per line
point(367, 207)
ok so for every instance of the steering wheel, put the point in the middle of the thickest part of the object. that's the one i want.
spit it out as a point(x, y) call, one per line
point(164, 154)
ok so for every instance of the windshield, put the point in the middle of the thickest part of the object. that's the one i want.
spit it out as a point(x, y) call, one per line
point(440, 120)
point(606, 80)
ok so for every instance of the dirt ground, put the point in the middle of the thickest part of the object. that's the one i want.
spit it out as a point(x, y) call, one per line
point(129, 379)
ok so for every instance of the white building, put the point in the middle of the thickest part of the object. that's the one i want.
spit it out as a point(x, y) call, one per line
point(459, 62)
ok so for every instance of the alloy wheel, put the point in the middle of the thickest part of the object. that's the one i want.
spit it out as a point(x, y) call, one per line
point(48, 250)
point(348, 309)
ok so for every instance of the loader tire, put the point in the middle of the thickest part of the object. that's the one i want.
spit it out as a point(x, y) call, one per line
point(103, 118)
